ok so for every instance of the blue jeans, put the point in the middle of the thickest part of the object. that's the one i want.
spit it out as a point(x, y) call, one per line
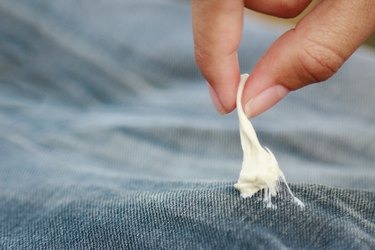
point(109, 139)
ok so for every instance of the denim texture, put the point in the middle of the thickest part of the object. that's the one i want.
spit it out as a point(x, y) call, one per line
point(109, 139)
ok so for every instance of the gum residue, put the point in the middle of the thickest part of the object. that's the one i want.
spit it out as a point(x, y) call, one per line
point(260, 170)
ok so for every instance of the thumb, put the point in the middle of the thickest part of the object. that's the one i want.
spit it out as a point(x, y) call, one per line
point(312, 52)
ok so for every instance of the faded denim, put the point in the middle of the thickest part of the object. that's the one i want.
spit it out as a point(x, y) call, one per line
point(109, 139)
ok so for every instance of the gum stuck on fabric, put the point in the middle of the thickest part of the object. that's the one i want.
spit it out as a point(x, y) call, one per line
point(260, 170)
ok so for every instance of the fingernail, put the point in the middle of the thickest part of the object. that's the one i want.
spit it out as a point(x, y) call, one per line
point(265, 100)
point(216, 101)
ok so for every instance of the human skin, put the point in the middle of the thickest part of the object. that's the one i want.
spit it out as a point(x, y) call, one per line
point(309, 53)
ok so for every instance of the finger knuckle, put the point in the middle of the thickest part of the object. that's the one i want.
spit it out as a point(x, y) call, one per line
point(319, 62)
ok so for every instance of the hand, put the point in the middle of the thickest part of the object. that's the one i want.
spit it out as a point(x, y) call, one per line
point(311, 52)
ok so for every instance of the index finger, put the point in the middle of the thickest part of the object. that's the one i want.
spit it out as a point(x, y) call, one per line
point(217, 29)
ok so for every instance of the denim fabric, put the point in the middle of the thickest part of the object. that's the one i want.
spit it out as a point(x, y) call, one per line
point(155, 215)
point(109, 139)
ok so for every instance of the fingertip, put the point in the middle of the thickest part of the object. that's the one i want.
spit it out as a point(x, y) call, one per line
point(226, 92)
point(223, 95)
point(216, 101)
point(265, 100)
point(223, 83)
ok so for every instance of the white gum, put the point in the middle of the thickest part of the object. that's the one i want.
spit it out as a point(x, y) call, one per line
point(260, 170)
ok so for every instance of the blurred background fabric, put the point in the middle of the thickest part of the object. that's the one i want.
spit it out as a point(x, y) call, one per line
point(109, 139)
